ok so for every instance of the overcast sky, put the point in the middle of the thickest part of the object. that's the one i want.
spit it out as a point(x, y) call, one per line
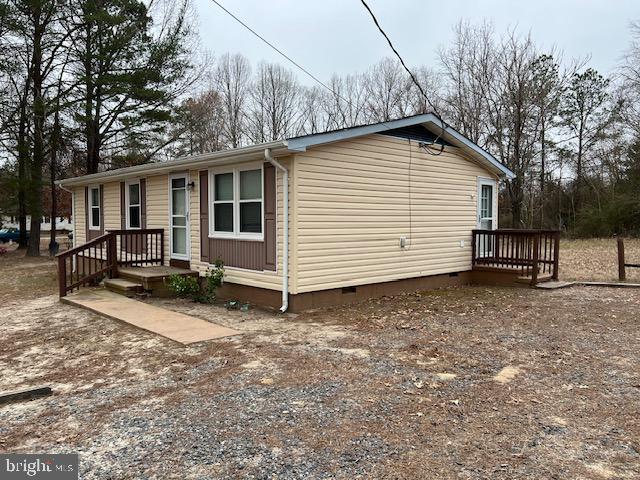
point(328, 36)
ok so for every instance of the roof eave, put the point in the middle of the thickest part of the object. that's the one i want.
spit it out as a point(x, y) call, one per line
point(192, 162)
point(300, 144)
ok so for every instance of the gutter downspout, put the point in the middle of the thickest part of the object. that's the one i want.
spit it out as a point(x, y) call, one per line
point(285, 246)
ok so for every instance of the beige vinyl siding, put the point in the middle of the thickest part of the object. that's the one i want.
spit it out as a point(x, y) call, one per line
point(355, 199)
point(112, 213)
point(157, 188)
point(80, 217)
point(260, 279)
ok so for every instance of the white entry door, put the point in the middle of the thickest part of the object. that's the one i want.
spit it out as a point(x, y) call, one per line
point(179, 216)
point(487, 219)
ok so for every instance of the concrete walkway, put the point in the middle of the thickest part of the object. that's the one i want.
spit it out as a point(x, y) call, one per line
point(179, 327)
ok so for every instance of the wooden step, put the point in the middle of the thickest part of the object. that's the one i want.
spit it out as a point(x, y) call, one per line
point(123, 286)
point(154, 279)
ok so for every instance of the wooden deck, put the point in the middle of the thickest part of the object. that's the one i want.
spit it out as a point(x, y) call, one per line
point(531, 256)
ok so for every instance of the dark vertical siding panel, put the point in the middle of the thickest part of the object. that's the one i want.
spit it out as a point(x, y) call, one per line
point(204, 217)
point(86, 214)
point(123, 206)
point(143, 203)
point(270, 232)
point(101, 210)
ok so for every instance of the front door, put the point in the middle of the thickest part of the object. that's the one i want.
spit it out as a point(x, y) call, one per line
point(486, 214)
point(179, 216)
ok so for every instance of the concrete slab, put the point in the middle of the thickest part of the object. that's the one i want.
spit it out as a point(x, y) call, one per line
point(554, 285)
point(176, 326)
point(609, 284)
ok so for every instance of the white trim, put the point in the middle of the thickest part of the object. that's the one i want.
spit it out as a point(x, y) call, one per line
point(236, 201)
point(494, 201)
point(90, 207)
point(127, 204)
point(197, 162)
point(429, 120)
point(187, 255)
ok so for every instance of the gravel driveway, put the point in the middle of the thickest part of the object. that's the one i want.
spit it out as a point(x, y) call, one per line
point(461, 383)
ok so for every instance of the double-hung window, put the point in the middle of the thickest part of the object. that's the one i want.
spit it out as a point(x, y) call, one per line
point(237, 205)
point(94, 208)
point(133, 205)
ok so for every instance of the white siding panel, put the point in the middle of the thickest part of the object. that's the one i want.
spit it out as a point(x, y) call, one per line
point(80, 217)
point(157, 188)
point(112, 210)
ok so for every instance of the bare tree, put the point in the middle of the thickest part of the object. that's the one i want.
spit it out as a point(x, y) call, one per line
point(469, 68)
point(387, 86)
point(200, 125)
point(232, 81)
point(273, 113)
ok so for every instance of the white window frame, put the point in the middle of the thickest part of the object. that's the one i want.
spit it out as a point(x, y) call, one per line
point(236, 234)
point(91, 206)
point(187, 179)
point(494, 207)
point(127, 204)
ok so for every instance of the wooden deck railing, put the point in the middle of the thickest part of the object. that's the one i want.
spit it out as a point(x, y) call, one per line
point(531, 252)
point(89, 263)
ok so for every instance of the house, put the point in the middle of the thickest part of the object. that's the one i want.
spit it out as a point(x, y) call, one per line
point(315, 220)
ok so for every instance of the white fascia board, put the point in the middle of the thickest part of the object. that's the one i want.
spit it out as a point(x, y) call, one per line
point(253, 152)
point(300, 144)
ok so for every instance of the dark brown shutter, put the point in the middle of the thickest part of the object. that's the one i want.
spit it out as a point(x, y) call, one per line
point(123, 206)
point(143, 203)
point(270, 232)
point(86, 214)
point(204, 215)
point(101, 209)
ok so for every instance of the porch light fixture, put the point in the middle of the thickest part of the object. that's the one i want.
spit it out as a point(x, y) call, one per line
point(191, 185)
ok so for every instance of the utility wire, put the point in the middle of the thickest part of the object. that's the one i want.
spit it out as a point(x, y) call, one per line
point(404, 65)
point(320, 82)
point(284, 55)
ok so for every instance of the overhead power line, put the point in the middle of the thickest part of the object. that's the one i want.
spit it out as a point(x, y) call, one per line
point(287, 57)
point(404, 65)
point(413, 77)
point(316, 79)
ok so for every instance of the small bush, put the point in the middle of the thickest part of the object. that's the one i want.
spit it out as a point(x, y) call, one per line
point(184, 287)
point(190, 287)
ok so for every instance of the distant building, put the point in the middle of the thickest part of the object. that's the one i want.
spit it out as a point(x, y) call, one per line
point(62, 223)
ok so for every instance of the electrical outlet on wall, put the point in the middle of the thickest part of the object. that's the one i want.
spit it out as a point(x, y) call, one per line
point(461, 243)
point(403, 242)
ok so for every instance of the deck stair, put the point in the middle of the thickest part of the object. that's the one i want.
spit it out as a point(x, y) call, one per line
point(154, 279)
point(123, 286)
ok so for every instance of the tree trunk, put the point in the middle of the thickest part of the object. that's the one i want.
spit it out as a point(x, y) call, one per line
point(35, 192)
point(23, 160)
point(543, 152)
point(55, 145)
point(579, 174)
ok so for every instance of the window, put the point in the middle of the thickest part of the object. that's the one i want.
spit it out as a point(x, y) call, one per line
point(94, 204)
point(486, 201)
point(237, 203)
point(133, 205)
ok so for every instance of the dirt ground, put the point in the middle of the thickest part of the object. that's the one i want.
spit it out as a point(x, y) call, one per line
point(597, 259)
point(470, 383)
